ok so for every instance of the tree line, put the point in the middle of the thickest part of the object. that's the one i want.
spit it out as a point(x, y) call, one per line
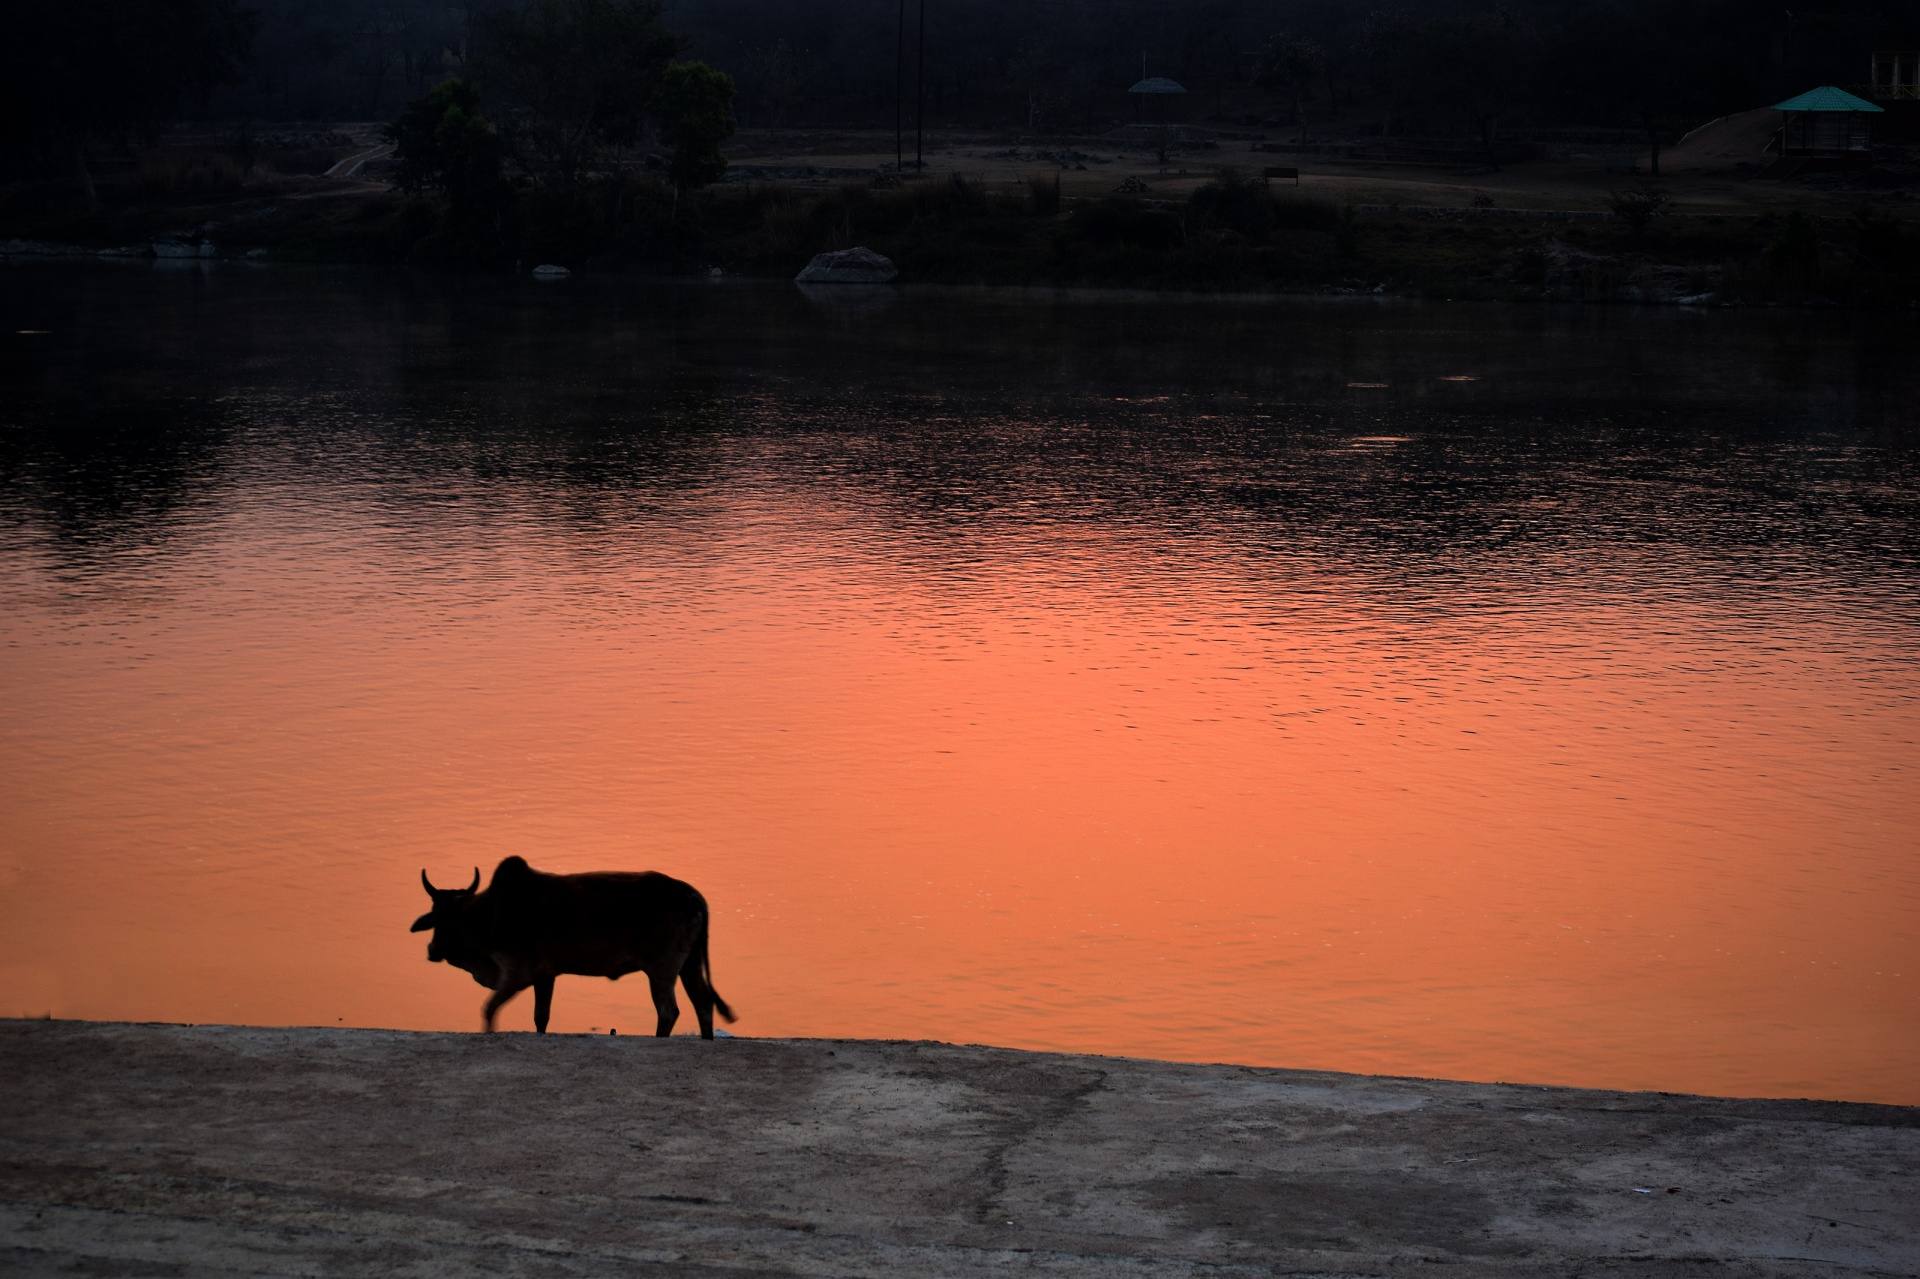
point(75, 70)
point(535, 140)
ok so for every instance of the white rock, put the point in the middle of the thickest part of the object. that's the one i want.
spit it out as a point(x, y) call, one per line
point(848, 266)
point(173, 246)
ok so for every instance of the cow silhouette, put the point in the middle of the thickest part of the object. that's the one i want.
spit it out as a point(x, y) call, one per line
point(528, 928)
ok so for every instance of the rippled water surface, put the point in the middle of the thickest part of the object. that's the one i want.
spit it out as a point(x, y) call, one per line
point(1438, 690)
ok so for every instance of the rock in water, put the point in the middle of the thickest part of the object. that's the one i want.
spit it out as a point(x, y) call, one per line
point(549, 271)
point(848, 266)
point(178, 246)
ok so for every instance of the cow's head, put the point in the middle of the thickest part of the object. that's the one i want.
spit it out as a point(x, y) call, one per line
point(452, 943)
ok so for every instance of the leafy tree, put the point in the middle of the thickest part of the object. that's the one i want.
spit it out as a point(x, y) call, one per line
point(576, 76)
point(444, 142)
point(1288, 65)
point(693, 113)
point(76, 70)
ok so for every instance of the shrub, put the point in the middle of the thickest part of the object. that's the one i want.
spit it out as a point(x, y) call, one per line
point(945, 201)
point(1297, 211)
point(1795, 251)
point(1879, 236)
point(1233, 203)
point(1043, 193)
point(1128, 222)
point(1638, 206)
point(171, 172)
point(1249, 207)
point(305, 162)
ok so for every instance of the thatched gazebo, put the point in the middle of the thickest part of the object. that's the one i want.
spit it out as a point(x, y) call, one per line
point(1159, 88)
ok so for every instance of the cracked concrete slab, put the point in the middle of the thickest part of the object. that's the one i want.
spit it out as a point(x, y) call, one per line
point(137, 1150)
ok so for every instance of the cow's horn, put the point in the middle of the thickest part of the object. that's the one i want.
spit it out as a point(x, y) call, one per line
point(428, 884)
point(474, 887)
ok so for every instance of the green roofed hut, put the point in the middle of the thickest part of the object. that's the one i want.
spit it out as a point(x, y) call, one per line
point(1827, 121)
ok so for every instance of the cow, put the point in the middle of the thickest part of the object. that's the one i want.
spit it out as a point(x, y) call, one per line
point(529, 927)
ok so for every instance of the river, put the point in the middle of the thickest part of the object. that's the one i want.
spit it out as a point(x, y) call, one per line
point(1427, 689)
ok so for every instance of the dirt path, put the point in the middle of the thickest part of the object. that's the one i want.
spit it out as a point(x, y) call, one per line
point(351, 166)
point(142, 1149)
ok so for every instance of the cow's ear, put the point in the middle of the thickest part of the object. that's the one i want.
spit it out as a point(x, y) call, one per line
point(423, 923)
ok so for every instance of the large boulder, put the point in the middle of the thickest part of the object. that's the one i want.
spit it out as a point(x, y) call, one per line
point(848, 266)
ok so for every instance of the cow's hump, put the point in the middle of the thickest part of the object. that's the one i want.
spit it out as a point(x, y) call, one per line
point(511, 870)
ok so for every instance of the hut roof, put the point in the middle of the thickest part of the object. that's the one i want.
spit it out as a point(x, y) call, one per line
point(1158, 84)
point(1826, 98)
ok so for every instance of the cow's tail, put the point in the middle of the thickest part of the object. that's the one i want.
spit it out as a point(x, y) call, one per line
point(706, 972)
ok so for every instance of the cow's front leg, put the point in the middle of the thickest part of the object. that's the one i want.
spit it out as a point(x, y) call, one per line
point(663, 1001)
point(507, 989)
point(542, 1003)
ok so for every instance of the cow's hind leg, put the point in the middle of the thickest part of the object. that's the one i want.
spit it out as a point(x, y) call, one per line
point(542, 1003)
point(663, 1001)
point(506, 990)
point(700, 992)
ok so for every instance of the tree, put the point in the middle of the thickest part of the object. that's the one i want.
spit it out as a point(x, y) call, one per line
point(783, 75)
point(1027, 74)
point(1638, 63)
point(1472, 67)
point(1385, 50)
point(576, 76)
point(442, 141)
point(693, 113)
point(78, 70)
point(1289, 65)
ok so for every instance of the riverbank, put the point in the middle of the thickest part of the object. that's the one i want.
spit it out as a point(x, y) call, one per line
point(227, 1150)
point(1222, 232)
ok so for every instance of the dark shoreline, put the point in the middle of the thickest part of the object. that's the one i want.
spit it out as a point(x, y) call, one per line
point(70, 255)
point(957, 233)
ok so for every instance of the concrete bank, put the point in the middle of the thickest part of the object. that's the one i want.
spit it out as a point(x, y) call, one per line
point(167, 1150)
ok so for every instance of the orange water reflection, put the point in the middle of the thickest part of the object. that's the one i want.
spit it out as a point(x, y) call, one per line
point(1092, 793)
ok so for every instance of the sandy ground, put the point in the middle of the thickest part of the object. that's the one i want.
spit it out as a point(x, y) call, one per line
point(168, 1150)
point(1570, 184)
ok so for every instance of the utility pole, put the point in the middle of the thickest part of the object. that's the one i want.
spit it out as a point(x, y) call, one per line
point(899, 85)
point(920, 88)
